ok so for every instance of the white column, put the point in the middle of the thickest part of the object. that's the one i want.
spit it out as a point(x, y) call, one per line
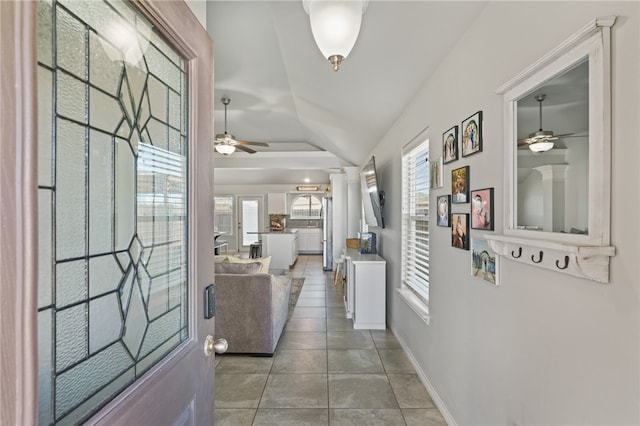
point(354, 201)
point(339, 213)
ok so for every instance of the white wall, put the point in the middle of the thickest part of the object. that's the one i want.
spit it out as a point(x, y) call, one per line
point(542, 347)
point(199, 9)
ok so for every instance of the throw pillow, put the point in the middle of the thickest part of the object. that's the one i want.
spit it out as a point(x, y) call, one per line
point(237, 268)
point(265, 261)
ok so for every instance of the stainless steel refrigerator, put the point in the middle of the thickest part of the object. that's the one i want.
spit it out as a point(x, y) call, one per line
point(327, 234)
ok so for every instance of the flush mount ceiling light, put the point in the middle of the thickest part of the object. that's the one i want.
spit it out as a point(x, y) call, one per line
point(335, 25)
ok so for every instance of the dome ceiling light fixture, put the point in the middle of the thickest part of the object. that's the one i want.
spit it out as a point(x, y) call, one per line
point(335, 25)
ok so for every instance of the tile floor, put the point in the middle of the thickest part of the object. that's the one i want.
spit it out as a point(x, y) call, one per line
point(323, 372)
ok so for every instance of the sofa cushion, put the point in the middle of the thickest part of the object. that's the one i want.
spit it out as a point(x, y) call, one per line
point(265, 261)
point(238, 268)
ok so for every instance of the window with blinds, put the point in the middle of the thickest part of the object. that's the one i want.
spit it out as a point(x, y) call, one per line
point(415, 220)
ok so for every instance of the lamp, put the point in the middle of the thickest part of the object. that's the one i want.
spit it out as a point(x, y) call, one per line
point(541, 146)
point(225, 149)
point(335, 25)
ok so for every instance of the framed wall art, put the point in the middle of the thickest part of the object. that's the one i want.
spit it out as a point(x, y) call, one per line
point(444, 210)
point(460, 185)
point(435, 169)
point(472, 134)
point(484, 262)
point(460, 230)
point(482, 209)
point(450, 145)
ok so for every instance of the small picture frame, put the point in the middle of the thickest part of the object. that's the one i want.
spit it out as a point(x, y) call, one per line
point(435, 170)
point(482, 209)
point(484, 262)
point(444, 210)
point(460, 230)
point(450, 145)
point(460, 185)
point(472, 134)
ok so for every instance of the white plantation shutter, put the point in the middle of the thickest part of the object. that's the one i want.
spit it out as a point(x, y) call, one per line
point(415, 220)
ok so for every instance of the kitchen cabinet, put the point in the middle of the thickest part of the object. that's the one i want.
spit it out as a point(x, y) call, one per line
point(309, 240)
point(365, 293)
point(277, 203)
point(282, 247)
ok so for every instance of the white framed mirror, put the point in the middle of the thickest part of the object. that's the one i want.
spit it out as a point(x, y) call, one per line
point(557, 136)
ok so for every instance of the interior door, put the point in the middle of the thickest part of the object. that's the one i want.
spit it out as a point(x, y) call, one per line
point(250, 221)
point(111, 189)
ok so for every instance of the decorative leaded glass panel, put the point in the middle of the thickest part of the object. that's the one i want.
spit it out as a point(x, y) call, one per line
point(112, 199)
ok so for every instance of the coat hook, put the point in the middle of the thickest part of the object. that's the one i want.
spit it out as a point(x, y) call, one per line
point(539, 260)
point(519, 253)
point(566, 263)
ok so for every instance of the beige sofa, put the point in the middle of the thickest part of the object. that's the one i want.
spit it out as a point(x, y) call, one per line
point(251, 309)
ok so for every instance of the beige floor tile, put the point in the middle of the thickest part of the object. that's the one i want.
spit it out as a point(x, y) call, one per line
point(306, 324)
point(303, 312)
point(359, 339)
point(291, 417)
point(395, 361)
point(303, 340)
point(354, 361)
point(368, 417)
point(360, 391)
point(423, 417)
point(410, 391)
point(385, 339)
point(339, 324)
point(300, 361)
point(295, 391)
point(239, 390)
point(234, 416)
point(244, 364)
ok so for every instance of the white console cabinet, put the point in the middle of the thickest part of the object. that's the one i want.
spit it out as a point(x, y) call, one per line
point(365, 293)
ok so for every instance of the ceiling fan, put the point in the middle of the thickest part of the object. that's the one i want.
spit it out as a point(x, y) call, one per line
point(542, 140)
point(227, 143)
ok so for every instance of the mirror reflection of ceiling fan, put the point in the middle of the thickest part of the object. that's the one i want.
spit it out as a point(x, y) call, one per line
point(542, 140)
point(227, 143)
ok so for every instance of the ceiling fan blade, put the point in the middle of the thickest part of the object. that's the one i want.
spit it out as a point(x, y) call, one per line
point(245, 149)
point(523, 142)
point(252, 143)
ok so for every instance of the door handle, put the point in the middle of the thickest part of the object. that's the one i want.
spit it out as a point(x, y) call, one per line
point(219, 346)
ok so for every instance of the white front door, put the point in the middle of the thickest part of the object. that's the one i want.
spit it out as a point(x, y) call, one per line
point(122, 227)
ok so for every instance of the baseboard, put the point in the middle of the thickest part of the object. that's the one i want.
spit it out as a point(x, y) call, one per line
point(425, 381)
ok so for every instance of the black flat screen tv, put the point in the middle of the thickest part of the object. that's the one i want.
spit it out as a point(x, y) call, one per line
point(372, 196)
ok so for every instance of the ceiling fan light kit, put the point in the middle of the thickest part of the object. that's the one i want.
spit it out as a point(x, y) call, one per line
point(226, 143)
point(226, 149)
point(540, 141)
point(541, 146)
point(335, 25)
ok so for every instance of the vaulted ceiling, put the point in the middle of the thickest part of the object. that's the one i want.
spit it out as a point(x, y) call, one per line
point(285, 93)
